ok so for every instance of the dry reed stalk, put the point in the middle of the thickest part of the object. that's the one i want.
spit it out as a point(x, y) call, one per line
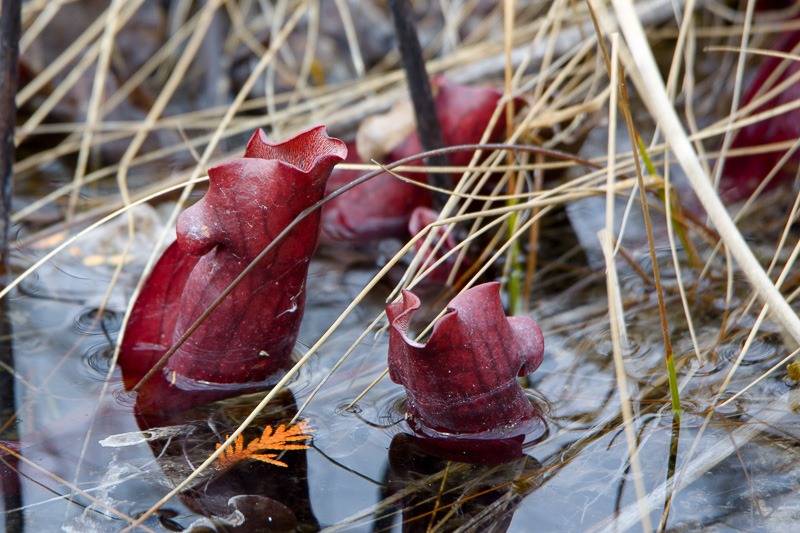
point(661, 108)
point(615, 310)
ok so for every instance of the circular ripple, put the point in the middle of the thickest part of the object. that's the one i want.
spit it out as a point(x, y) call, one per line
point(540, 402)
point(707, 367)
point(643, 358)
point(734, 410)
point(693, 414)
point(393, 409)
point(762, 349)
point(345, 409)
point(93, 322)
point(98, 359)
point(123, 397)
point(387, 413)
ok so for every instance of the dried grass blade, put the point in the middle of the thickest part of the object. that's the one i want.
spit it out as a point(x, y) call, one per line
point(662, 109)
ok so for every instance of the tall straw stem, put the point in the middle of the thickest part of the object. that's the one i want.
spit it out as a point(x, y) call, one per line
point(515, 275)
point(624, 105)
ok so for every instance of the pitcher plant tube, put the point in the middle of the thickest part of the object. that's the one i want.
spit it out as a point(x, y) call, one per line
point(382, 207)
point(250, 336)
point(462, 380)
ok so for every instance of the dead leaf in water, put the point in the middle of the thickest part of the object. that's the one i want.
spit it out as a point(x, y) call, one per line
point(281, 438)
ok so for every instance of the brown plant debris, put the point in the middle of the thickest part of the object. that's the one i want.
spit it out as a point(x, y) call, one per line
point(281, 438)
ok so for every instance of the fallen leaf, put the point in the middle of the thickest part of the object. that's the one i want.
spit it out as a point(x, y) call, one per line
point(281, 438)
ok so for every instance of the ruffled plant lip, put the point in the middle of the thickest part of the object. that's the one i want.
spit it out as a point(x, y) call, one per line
point(249, 337)
point(462, 383)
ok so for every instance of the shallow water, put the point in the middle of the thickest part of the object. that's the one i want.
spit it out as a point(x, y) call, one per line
point(89, 460)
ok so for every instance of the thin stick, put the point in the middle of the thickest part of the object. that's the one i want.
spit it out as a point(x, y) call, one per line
point(607, 243)
point(737, 91)
point(419, 87)
point(662, 310)
point(607, 238)
point(615, 315)
point(677, 265)
point(514, 276)
point(9, 54)
point(352, 37)
point(95, 101)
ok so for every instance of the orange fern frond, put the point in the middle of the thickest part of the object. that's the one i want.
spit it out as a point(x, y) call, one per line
point(281, 438)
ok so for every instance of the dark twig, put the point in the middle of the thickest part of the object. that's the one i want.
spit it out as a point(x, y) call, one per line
point(9, 54)
point(9, 69)
point(419, 87)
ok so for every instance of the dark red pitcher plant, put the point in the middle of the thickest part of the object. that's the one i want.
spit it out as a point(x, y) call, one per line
point(382, 207)
point(250, 336)
point(461, 383)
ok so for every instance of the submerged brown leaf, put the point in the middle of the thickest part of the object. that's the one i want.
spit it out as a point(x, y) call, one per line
point(281, 438)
